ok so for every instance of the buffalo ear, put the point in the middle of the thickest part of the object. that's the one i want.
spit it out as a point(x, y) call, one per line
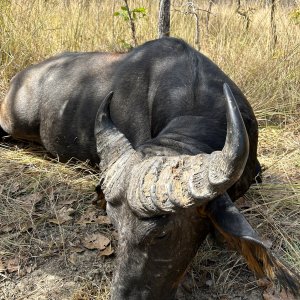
point(103, 119)
point(240, 236)
point(99, 199)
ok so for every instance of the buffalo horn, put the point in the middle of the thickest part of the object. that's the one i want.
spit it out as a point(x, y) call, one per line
point(163, 184)
point(114, 150)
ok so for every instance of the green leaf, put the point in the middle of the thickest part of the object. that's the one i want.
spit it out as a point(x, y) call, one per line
point(136, 13)
point(126, 45)
point(140, 10)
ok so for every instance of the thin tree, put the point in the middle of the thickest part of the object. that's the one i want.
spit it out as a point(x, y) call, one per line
point(164, 18)
point(244, 14)
point(273, 26)
point(132, 25)
point(190, 8)
point(210, 4)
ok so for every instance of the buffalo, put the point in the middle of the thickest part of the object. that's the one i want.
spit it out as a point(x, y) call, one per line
point(176, 143)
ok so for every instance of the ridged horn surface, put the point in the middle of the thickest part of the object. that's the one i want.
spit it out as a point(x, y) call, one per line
point(115, 153)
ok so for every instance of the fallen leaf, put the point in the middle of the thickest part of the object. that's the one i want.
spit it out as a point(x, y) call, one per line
point(96, 241)
point(91, 216)
point(107, 251)
point(73, 258)
point(12, 265)
point(87, 217)
point(25, 226)
point(28, 202)
point(15, 187)
point(103, 220)
point(263, 282)
point(62, 216)
point(7, 228)
point(76, 246)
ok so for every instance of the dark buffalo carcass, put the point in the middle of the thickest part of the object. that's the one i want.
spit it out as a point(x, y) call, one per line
point(177, 146)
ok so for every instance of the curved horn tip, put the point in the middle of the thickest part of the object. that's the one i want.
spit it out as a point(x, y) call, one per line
point(227, 89)
point(229, 165)
point(235, 122)
point(231, 101)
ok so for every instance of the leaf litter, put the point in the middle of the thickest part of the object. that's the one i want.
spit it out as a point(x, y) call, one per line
point(91, 215)
point(62, 216)
point(96, 241)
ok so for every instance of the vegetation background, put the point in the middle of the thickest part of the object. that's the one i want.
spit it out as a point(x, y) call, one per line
point(43, 204)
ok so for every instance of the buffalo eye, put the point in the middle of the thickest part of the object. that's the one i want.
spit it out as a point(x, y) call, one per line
point(162, 234)
point(162, 227)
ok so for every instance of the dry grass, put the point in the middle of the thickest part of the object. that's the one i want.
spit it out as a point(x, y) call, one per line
point(32, 190)
point(33, 30)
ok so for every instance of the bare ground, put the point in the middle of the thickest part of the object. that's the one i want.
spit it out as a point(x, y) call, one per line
point(57, 243)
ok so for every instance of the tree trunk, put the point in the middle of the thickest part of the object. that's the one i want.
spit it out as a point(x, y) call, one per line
point(164, 18)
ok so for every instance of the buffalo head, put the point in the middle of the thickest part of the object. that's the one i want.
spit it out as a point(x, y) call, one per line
point(155, 203)
point(163, 206)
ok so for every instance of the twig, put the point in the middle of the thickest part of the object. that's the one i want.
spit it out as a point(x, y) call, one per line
point(186, 13)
